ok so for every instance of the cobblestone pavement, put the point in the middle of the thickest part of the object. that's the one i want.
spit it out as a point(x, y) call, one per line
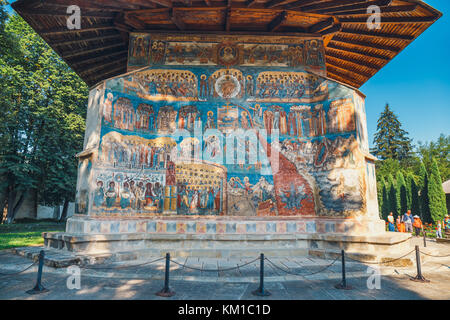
point(314, 279)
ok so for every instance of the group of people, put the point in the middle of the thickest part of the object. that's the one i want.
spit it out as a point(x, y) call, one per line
point(410, 223)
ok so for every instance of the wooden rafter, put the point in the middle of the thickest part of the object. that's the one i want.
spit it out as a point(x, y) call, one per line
point(376, 34)
point(99, 66)
point(71, 53)
point(365, 44)
point(83, 60)
point(276, 23)
point(176, 20)
point(316, 28)
point(390, 20)
point(65, 30)
point(355, 6)
point(358, 52)
point(90, 39)
point(358, 62)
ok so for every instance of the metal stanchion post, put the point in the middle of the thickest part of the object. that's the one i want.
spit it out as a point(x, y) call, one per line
point(39, 288)
point(343, 284)
point(419, 277)
point(166, 292)
point(261, 291)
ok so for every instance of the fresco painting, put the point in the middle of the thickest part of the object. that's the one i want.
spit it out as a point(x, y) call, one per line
point(233, 127)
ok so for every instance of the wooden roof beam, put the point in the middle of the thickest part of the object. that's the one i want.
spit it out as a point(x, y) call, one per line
point(390, 20)
point(377, 34)
point(396, 9)
point(357, 52)
point(354, 6)
point(107, 73)
point(100, 56)
point(176, 20)
point(334, 70)
point(316, 28)
point(276, 23)
point(52, 12)
point(343, 78)
point(143, 3)
point(335, 63)
point(67, 31)
point(365, 44)
point(102, 65)
point(334, 29)
point(250, 3)
point(228, 17)
point(83, 52)
point(311, 6)
point(296, 4)
point(352, 60)
point(164, 3)
point(79, 40)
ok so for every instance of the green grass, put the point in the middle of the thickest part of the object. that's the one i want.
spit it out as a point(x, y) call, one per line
point(26, 234)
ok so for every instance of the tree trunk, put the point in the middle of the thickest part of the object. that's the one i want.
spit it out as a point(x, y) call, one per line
point(64, 211)
point(14, 207)
point(11, 201)
point(2, 207)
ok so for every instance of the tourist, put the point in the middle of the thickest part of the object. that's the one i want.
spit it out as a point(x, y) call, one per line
point(447, 223)
point(400, 225)
point(417, 224)
point(439, 230)
point(408, 221)
point(391, 222)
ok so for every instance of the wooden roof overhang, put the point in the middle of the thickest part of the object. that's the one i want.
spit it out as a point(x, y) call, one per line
point(354, 53)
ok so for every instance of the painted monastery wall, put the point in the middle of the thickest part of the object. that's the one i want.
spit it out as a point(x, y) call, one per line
point(226, 125)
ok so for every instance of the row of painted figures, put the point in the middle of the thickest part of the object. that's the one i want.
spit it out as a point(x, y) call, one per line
point(151, 197)
point(301, 121)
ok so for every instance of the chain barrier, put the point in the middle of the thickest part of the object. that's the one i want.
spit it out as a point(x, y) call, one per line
point(19, 272)
point(302, 275)
point(430, 255)
point(383, 262)
point(119, 267)
point(215, 270)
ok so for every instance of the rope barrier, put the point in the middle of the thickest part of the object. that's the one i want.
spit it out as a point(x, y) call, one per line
point(15, 273)
point(383, 262)
point(215, 270)
point(302, 275)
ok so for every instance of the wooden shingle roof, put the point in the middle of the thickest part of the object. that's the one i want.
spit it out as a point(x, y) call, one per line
point(353, 52)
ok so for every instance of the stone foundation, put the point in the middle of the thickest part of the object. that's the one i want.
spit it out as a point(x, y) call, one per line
point(227, 237)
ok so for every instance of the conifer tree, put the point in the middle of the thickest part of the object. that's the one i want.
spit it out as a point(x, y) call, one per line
point(423, 190)
point(413, 188)
point(437, 201)
point(391, 141)
point(385, 200)
point(402, 198)
point(392, 196)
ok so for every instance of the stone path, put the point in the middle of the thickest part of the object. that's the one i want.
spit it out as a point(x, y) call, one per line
point(137, 280)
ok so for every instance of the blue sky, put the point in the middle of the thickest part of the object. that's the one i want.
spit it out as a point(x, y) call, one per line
point(416, 83)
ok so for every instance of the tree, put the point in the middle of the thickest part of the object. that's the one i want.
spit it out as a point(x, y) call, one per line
point(391, 141)
point(414, 191)
point(42, 116)
point(402, 194)
point(384, 204)
point(439, 150)
point(392, 196)
point(438, 206)
point(423, 198)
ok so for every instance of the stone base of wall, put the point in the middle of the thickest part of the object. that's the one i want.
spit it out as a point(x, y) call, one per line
point(228, 237)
